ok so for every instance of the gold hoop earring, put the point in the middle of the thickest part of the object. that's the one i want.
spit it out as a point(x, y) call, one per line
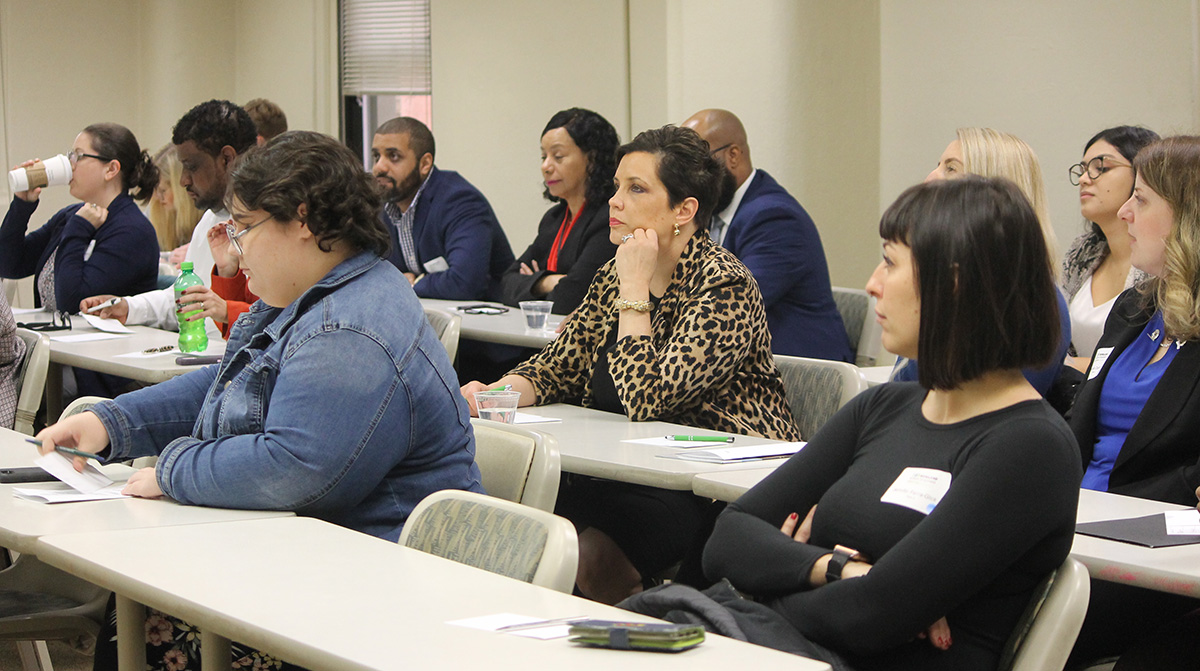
point(677, 229)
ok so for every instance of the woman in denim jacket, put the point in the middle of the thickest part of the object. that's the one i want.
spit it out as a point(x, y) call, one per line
point(335, 399)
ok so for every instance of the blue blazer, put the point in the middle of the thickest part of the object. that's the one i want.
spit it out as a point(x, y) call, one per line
point(776, 239)
point(454, 222)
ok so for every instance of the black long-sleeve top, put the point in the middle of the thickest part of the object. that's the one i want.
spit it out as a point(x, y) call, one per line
point(1006, 521)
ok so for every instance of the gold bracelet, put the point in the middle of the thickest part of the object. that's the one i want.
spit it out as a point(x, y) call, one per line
point(639, 306)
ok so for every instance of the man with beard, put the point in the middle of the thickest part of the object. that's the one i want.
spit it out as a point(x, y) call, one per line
point(208, 139)
point(770, 232)
point(445, 237)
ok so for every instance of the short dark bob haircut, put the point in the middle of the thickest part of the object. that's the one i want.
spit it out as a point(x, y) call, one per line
point(685, 167)
point(303, 167)
point(983, 276)
point(598, 141)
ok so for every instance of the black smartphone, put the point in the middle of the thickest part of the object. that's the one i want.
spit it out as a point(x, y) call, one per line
point(191, 360)
point(27, 474)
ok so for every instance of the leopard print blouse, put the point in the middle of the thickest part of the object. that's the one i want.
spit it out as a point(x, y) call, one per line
point(708, 364)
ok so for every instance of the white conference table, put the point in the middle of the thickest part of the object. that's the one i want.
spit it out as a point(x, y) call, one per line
point(101, 356)
point(1171, 569)
point(329, 598)
point(590, 443)
point(506, 329)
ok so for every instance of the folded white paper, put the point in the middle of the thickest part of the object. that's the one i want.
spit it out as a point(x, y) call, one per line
point(1183, 522)
point(527, 418)
point(109, 325)
point(61, 467)
point(86, 337)
point(731, 455)
point(61, 492)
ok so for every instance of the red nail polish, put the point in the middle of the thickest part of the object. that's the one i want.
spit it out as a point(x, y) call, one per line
point(793, 516)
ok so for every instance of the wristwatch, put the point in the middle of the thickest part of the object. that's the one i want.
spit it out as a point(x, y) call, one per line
point(837, 562)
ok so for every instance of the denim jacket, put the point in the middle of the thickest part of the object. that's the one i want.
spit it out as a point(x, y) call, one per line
point(341, 406)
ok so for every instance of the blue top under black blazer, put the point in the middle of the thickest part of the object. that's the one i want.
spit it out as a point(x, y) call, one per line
point(455, 222)
point(776, 239)
point(1159, 458)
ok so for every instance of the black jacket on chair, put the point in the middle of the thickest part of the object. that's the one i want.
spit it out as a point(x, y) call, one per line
point(1159, 458)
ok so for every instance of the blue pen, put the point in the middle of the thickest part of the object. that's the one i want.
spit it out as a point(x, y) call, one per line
point(67, 450)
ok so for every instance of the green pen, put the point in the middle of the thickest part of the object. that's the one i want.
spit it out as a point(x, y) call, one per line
point(66, 450)
point(702, 439)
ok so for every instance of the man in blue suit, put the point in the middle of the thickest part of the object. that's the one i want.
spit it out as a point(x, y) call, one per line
point(445, 236)
point(774, 237)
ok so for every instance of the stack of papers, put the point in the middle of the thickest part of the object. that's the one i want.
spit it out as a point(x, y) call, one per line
point(90, 485)
point(732, 455)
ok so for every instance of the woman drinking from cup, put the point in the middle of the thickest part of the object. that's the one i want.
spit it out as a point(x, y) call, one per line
point(104, 245)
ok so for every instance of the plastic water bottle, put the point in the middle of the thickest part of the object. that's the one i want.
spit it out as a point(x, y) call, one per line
point(192, 337)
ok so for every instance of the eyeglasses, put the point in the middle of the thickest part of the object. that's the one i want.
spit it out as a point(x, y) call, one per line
point(74, 156)
point(720, 149)
point(482, 309)
point(1094, 168)
point(59, 321)
point(235, 235)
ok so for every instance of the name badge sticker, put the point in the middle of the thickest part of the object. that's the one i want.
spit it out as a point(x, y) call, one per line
point(1098, 360)
point(437, 265)
point(919, 489)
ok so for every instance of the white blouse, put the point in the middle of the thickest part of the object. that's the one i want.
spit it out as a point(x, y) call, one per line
point(1087, 320)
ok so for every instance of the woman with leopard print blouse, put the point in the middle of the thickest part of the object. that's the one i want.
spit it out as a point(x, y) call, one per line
point(672, 329)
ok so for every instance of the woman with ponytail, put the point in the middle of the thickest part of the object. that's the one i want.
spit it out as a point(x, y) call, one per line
point(102, 245)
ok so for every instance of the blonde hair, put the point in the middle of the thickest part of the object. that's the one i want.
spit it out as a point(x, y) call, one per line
point(1171, 168)
point(990, 153)
point(174, 226)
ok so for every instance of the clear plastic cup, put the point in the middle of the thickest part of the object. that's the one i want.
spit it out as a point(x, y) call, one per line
point(498, 406)
point(535, 314)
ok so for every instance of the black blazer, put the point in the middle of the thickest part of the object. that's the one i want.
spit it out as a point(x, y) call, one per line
point(1160, 454)
point(584, 251)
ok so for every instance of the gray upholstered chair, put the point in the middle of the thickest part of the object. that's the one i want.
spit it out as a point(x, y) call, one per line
point(41, 603)
point(31, 378)
point(495, 535)
point(817, 388)
point(517, 464)
point(446, 326)
point(1043, 637)
point(857, 308)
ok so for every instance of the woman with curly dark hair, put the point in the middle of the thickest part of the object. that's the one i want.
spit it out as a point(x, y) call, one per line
point(278, 425)
point(578, 161)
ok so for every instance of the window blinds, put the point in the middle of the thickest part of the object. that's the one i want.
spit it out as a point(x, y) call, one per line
point(385, 47)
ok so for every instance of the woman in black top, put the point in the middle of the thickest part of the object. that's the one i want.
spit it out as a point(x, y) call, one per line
point(930, 510)
point(578, 161)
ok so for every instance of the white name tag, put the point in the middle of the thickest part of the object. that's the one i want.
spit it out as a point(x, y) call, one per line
point(437, 265)
point(1098, 360)
point(919, 489)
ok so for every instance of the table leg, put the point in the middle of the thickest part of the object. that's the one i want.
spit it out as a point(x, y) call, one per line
point(214, 652)
point(131, 635)
point(54, 393)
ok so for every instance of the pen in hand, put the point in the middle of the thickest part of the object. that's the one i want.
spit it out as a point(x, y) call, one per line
point(67, 450)
point(106, 304)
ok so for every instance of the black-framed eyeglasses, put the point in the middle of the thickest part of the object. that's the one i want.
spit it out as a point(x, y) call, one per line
point(59, 321)
point(1094, 168)
point(720, 149)
point(235, 235)
point(74, 156)
point(482, 309)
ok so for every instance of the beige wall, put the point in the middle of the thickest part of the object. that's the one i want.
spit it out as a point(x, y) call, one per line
point(1052, 73)
point(500, 70)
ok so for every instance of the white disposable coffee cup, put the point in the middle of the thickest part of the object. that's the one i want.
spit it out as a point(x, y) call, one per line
point(54, 171)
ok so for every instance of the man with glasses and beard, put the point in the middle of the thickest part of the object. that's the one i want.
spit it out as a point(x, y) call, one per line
point(774, 237)
point(445, 236)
